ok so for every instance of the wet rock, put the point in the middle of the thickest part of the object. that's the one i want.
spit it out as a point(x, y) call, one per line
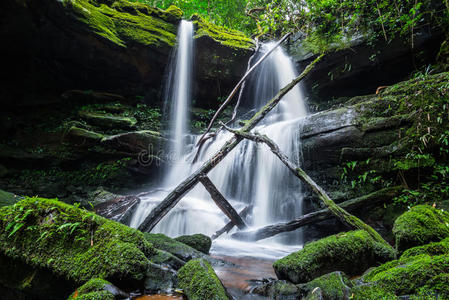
point(199, 242)
point(420, 225)
point(98, 288)
point(351, 252)
point(333, 286)
point(178, 249)
point(108, 121)
point(116, 207)
point(165, 258)
point(160, 278)
point(278, 290)
point(199, 281)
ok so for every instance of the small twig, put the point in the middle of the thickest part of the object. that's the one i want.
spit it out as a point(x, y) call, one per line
point(220, 109)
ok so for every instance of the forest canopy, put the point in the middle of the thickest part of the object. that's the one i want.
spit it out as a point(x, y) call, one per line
point(323, 23)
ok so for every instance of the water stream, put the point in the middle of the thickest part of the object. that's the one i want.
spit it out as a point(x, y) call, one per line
point(250, 174)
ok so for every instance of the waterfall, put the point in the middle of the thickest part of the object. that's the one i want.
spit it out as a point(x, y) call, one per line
point(250, 174)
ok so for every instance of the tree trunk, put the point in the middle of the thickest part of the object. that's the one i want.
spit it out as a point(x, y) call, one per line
point(173, 198)
point(247, 210)
point(369, 200)
point(221, 202)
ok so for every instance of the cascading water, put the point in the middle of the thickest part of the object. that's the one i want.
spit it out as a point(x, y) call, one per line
point(250, 174)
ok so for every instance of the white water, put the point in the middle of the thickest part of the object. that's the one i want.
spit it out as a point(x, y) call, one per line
point(250, 174)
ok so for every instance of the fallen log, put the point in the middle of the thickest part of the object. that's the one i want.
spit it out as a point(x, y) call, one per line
point(247, 210)
point(369, 200)
point(173, 198)
point(221, 202)
point(343, 215)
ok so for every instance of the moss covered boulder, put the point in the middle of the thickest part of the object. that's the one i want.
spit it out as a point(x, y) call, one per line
point(333, 286)
point(420, 225)
point(199, 281)
point(178, 249)
point(408, 276)
point(351, 252)
point(371, 292)
point(436, 248)
point(199, 242)
point(278, 289)
point(97, 289)
point(72, 245)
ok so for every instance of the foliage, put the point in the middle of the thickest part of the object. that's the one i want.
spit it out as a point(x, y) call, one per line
point(334, 23)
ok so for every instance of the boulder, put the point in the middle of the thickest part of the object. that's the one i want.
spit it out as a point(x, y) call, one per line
point(47, 241)
point(420, 225)
point(278, 290)
point(83, 137)
point(98, 288)
point(407, 276)
point(436, 248)
point(160, 278)
point(351, 252)
point(333, 286)
point(165, 258)
point(117, 207)
point(371, 292)
point(136, 142)
point(199, 282)
point(178, 249)
point(199, 242)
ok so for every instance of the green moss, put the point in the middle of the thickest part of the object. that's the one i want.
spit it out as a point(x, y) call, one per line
point(199, 242)
point(371, 292)
point(436, 248)
point(351, 252)
point(94, 289)
point(73, 243)
point(125, 23)
point(407, 276)
point(108, 120)
point(199, 281)
point(437, 288)
point(420, 225)
point(178, 249)
point(224, 36)
point(334, 286)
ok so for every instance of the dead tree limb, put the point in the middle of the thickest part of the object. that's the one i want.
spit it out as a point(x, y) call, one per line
point(221, 202)
point(243, 213)
point(173, 197)
point(369, 200)
point(339, 212)
point(220, 109)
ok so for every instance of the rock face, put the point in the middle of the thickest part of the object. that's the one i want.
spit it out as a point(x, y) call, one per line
point(364, 67)
point(351, 252)
point(421, 225)
point(115, 46)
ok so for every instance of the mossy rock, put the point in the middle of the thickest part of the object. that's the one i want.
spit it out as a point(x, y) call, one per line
point(351, 252)
point(436, 248)
point(126, 23)
point(278, 289)
point(199, 242)
point(420, 225)
point(108, 121)
point(225, 36)
point(334, 286)
point(97, 289)
point(408, 276)
point(165, 258)
point(199, 281)
point(83, 137)
point(178, 249)
point(72, 243)
point(7, 198)
point(371, 292)
point(435, 288)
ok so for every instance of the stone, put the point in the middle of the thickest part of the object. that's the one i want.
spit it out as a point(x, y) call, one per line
point(420, 225)
point(333, 286)
point(108, 121)
point(136, 142)
point(278, 290)
point(199, 282)
point(83, 137)
point(199, 242)
point(98, 288)
point(350, 252)
point(178, 249)
point(117, 207)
